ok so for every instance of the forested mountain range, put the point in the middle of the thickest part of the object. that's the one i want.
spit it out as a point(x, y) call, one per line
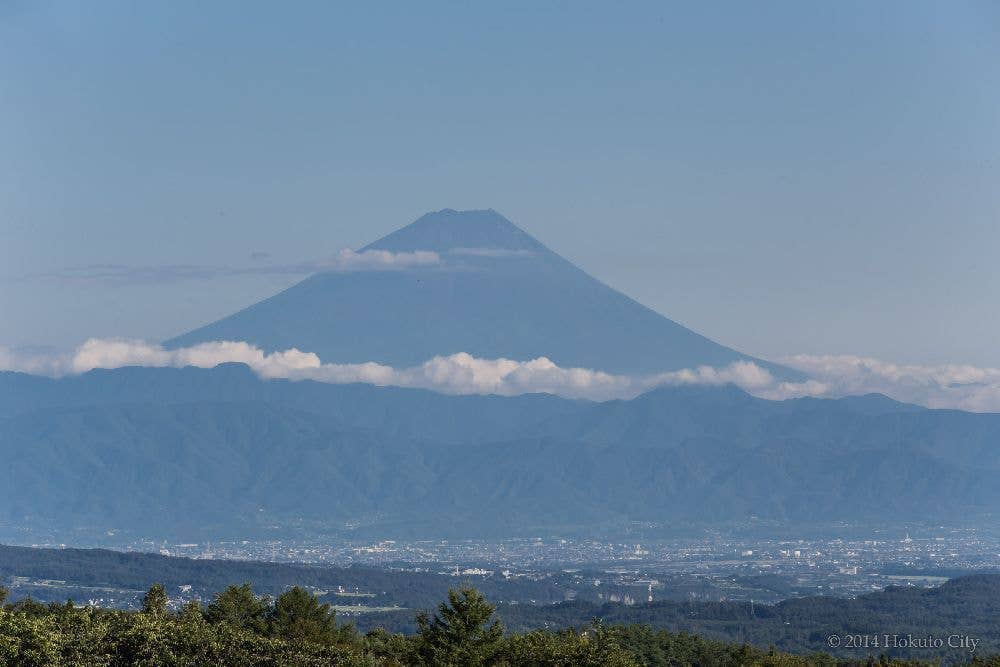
point(221, 452)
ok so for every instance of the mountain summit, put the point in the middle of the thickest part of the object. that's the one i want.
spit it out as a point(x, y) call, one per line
point(494, 292)
point(447, 230)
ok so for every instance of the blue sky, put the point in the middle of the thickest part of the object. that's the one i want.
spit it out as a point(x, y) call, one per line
point(783, 177)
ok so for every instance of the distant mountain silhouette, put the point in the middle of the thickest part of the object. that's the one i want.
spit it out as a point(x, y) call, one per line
point(219, 452)
point(497, 292)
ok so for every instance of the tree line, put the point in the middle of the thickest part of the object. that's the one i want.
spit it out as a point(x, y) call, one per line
point(239, 628)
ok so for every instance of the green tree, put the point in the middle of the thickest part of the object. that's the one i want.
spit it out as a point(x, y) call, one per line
point(29, 607)
point(298, 616)
point(389, 649)
point(28, 641)
point(594, 647)
point(461, 632)
point(3, 595)
point(240, 607)
point(191, 611)
point(154, 602)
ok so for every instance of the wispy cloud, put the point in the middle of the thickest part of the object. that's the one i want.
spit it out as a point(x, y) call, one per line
point(35, 362)
point(345, 260)
point(961, 386)
point(491, 252)
point(459, 373)
point(955, 386)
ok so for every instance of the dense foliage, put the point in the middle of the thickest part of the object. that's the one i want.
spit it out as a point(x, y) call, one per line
point(239, 628)
point(967, 606)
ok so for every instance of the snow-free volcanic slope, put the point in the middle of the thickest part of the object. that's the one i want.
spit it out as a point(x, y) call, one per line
point(496, 292)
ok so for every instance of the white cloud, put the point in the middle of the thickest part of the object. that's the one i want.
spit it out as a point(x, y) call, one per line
point(459, 373)
point(373, 260)
point(491, 252)
point(27, 361)
point(344, 260)
point(943, 386)
point(116, 353)
point(948, 386)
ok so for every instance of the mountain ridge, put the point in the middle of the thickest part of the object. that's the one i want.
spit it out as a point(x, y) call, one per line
point(220, 452)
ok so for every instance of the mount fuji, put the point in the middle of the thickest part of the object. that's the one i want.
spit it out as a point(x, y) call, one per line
point(494, 291)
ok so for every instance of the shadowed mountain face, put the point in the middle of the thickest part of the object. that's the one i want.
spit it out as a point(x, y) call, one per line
point(220, 452)
point(496, 292)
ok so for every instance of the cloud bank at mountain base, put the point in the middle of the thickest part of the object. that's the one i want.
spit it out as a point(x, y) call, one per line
point(963, 387)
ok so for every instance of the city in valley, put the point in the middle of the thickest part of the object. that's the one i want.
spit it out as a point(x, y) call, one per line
point(714, 567)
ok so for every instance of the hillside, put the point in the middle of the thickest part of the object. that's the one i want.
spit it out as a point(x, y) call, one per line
point(202, 452)
point(78, 570)
point(968, 606)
